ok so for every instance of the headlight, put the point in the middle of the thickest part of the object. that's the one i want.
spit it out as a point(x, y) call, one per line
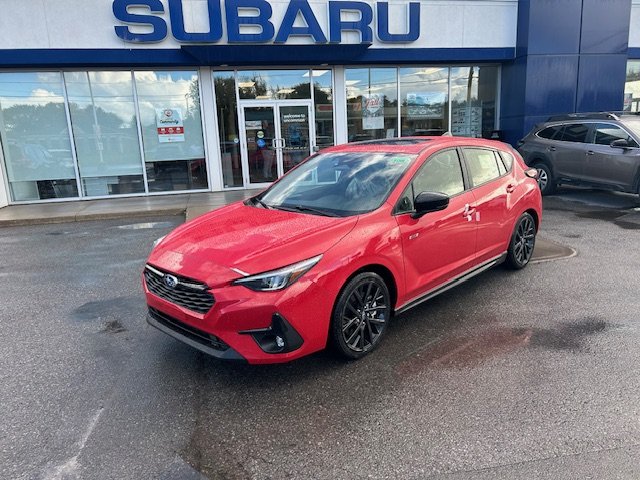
point(155, 244)
point(278, 279)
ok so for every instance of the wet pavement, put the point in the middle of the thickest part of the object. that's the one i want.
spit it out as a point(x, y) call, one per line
point(528, 374)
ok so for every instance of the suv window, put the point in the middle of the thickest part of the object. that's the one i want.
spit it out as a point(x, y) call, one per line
point(551, 133)
point(483, 165)
point(605, 133)
point(575, 132)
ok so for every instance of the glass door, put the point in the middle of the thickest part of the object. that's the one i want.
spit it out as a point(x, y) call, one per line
point(276, 137)
point(295, 136)
point(259, 139)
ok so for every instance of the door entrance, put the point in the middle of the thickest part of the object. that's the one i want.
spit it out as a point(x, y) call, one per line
point(276, 137)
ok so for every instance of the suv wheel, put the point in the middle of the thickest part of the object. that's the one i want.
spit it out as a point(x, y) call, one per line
point(545, 178)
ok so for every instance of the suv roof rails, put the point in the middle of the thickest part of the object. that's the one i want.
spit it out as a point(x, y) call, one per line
point(585, 116)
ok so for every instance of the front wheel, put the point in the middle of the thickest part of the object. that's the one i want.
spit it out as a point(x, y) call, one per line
point(361, 315)
point(522, 243)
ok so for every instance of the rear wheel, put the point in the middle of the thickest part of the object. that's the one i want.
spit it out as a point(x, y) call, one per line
point(545, 178)
point(361, 315)
point(522, 243)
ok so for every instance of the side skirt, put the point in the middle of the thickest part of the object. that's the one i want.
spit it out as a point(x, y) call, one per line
point(452, 283)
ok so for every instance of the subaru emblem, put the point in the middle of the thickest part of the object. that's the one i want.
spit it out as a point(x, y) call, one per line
point(171, 281)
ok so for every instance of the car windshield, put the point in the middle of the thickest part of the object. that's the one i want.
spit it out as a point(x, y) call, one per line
point(633, 124)
point(338, 184)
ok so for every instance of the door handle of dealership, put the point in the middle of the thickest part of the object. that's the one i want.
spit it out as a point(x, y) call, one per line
point(590, 152)
point(511, 187)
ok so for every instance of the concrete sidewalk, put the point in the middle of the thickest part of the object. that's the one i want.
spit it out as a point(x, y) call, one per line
point(190, 204)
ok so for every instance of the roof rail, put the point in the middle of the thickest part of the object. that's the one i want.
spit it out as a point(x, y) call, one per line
point(584, 116)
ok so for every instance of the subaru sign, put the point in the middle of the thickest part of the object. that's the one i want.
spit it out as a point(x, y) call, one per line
point(257, 15)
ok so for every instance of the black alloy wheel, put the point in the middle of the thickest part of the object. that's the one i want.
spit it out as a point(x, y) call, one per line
point(546, 182)
point(361, 315)
point(523, 242)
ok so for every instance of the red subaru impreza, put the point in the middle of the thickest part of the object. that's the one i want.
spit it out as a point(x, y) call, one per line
point(334, 249)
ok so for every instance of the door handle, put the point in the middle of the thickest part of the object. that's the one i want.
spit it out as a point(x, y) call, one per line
point(511, 187)
point(469, 212)
point(590, 152)
point(552, 149)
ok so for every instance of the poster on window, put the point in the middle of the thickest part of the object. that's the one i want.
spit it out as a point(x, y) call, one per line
point(628, 101)
point(170, 125)
point(372, 112)
point(426, 104)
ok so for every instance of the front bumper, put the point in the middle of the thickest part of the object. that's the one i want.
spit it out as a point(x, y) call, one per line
point(257, 327)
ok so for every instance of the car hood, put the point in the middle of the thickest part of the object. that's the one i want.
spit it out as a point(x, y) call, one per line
point(246, 238)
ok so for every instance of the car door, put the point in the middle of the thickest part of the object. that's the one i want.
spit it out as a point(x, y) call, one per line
point(492, 186)
point(568, 154)
point(614, 167)
point(439, 245)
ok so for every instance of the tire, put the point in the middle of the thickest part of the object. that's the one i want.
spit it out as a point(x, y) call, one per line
point(546, 181)
point(360, 316)
point(523, 241)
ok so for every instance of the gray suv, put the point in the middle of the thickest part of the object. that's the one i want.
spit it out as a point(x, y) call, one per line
point(590, 149)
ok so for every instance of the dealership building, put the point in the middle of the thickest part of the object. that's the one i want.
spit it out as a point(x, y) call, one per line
point(102, 98)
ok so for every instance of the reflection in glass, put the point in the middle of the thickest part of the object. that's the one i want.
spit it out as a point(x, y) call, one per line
point(105, 132)
point(632, 87)
point(170, 114)
point(372, 103)
point(425, 97)
point(323, 105)
point(274, 84)
point(35, 136)
point(224, 85)
point(260, 128)
point(473, 100)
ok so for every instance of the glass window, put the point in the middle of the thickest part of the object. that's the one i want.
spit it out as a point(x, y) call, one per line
point(425, 100)
point(605, 133)
point(372, 103)
point(35, 136)
point(575, 132)
point(105, 132)
point(225, 87)
point(442, 173)
point(482, 164)
point(551, 133)
point(473, 100)
point(274, 84)
point(170, 114)
point(323, 105)
point(507, 159)
point(632, 87)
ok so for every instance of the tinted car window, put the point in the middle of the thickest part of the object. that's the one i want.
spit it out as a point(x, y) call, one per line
point(575, 132)
point(606, 133)
point(483, 166)
point(441, 173)
point(551, 132)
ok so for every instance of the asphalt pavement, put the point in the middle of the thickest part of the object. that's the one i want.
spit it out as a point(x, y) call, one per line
point(529, 374)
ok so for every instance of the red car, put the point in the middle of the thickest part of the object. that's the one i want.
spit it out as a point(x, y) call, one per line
point(334, 249)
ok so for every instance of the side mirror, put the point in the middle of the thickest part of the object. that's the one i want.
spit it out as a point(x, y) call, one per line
point(620, 143)
point(427, 202)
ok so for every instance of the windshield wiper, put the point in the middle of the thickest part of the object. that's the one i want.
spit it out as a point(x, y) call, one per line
point(303, 208)
point(262, 204)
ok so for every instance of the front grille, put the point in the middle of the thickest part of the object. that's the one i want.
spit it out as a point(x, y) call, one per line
point(188, 331)
point(187, 293)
